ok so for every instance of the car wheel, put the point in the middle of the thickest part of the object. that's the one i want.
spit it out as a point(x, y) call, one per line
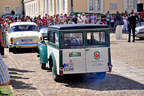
point(43, 65)
point(11, 49)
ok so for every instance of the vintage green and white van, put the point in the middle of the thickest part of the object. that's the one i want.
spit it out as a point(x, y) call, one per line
point(76, 49)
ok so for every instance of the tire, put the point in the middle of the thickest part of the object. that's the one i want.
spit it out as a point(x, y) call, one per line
point(11, 49)
point(55, 76)
point(1, 50)
point(37, 50)
point(43, 65)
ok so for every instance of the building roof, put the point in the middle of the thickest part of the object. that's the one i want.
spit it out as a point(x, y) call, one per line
point(77, 26)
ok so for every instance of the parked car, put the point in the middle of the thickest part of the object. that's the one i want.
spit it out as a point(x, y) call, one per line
point(23, 35)
point(76, 49)
point(44, 32)
point(139, 32)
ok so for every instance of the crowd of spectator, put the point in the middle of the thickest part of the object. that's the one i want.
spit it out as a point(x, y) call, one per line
point(110, 19)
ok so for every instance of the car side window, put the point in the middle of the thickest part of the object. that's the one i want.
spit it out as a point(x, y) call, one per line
point(51, 36)
point(56, 39)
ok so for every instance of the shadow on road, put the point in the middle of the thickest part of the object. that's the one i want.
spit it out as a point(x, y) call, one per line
point(13, 70)
point(21, 85)
point(17, 78)
point(111, 82)
point(25, 50)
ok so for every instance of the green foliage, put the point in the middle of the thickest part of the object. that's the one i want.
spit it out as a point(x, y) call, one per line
point(5, 91)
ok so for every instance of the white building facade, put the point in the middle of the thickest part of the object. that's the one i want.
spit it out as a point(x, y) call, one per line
point(41, 7)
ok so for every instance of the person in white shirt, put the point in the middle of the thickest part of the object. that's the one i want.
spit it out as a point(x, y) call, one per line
point(83, 17)
point(80, 21)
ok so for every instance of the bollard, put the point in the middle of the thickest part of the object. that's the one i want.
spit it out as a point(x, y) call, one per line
point(118, 32)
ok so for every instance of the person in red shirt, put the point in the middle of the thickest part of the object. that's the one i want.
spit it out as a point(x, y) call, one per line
point(142, 15)
point(44, 21)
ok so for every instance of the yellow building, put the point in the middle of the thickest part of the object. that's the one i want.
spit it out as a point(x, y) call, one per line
point(40, 7)
point(6, 6)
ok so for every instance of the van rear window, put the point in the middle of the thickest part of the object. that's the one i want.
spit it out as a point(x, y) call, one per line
point(96, 38)
point(73, 39)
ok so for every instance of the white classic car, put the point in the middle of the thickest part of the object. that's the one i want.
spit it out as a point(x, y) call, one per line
point(139, 31)
point(23, 35)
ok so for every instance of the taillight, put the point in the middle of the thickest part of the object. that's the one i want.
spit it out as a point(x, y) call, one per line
point(110, 68)
point(11, 40)
point(41, 38)
point(61, 71)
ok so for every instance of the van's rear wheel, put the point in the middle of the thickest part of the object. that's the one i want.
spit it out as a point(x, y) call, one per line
point(43, 65)
point(55, 76)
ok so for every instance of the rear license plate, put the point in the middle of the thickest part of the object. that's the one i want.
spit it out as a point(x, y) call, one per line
point(26, 40)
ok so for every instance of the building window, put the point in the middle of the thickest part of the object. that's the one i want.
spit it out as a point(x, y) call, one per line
point(39, 6)
point(17, 10)
point(44, 6)
point(64, 5)
point(98, 3)
point(95, 5)
point(113, 6)
point(71, 5)
point(51, 5)
point(33, 8)
point(91, 5)
point(47, 6)
point(7, 10)
point(131, 4)
point(58, 6)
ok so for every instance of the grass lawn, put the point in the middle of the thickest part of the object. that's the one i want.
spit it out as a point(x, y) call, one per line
point(5, 91)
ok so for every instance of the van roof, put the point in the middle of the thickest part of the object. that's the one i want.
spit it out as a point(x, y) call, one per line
point(77, 26)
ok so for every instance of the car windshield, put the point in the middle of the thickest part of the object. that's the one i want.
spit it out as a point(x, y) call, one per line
point(24, 28)
point(44, 30)
point(73, 39)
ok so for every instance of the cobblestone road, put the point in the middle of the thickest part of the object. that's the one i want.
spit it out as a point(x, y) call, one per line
point(28, 79)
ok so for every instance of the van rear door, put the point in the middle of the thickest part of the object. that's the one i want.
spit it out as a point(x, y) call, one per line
point(96, 52)
point(97, 59)
point(74, 61)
